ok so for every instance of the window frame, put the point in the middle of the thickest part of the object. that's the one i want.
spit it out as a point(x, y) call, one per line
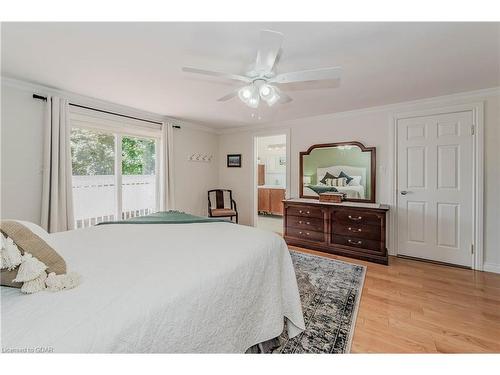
point(120, 127)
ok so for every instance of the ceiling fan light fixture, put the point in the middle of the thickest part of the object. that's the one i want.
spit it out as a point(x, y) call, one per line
point(265, 91)
point(245, 93)
point(250, 96)
point(259, 82)
point(272, 96)
point(253, 102)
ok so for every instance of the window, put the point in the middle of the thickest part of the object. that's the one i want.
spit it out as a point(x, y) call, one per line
point(115, 174)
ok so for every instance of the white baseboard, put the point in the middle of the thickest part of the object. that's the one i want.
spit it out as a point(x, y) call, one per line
point(491, 267)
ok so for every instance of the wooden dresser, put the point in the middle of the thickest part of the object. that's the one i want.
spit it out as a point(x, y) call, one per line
point(356, 230)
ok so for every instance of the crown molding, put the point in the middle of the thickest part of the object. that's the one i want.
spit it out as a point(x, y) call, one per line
point(435, 100)
point(44, 90)
point(190, 125)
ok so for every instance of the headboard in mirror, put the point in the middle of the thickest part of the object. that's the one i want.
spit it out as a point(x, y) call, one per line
point(346, 167)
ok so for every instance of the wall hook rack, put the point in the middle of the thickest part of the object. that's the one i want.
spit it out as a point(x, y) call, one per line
point(200, 157)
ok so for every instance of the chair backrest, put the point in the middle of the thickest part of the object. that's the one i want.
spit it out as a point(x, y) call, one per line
point(220, 198)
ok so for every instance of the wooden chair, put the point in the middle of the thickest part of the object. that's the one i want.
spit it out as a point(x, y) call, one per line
point(222, 204)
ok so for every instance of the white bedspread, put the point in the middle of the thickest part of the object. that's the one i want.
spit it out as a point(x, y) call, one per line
point(208, 287)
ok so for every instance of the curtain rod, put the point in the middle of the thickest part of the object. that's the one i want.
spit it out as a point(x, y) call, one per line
point(44, 98)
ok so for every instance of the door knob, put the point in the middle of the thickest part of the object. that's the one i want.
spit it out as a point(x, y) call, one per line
point(404, 192)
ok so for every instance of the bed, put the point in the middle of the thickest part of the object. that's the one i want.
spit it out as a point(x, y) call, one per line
point(193, 287)
point(357, 191)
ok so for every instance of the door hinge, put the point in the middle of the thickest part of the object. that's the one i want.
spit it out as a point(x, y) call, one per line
point(472, 129)
point(472, 248)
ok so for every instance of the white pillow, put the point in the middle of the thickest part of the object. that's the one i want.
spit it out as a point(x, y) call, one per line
point(355, 181)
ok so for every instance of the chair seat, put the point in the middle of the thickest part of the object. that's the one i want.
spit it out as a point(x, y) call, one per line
point(220, 212)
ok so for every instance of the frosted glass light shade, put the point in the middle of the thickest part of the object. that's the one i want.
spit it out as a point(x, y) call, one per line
point(252, 94)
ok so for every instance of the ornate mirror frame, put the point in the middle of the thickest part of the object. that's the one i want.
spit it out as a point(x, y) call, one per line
point(373, 168)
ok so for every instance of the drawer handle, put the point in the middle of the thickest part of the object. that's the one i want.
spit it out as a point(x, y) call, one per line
point(306, 233)
point(355, 242)
point(355, 218)
point(307, 212)
point(304, 222)
point(354, 230)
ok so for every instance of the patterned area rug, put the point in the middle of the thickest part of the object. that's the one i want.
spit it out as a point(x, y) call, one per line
point(330, 291)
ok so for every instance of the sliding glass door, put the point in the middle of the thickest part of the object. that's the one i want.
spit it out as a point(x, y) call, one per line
point(139, 192)
point(93, 156)
point(114, 176)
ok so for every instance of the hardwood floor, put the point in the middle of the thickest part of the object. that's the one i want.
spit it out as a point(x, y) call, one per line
point(417, 307)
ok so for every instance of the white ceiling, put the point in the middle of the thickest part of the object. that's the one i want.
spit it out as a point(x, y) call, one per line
point(139, 64)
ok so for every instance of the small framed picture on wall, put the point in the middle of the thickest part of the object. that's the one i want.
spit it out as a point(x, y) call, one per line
point(234, 160)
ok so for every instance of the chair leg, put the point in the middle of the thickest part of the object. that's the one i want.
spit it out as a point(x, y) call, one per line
point(236, 218)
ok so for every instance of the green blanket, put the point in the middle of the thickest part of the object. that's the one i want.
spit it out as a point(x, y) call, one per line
point(167, 217)
point(318, 189)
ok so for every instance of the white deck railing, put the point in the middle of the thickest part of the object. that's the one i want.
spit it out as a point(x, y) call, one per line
point(94, 198)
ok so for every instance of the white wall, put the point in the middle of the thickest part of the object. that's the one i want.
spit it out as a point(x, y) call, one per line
point(373, 128)
point(192, 180)
point(21, 155)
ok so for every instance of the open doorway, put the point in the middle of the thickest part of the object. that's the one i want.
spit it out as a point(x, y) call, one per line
point(271, 181)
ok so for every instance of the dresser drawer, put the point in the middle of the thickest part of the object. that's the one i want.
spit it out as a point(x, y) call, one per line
point(305, 211)
point(307, 223)
point(368, 232)
point(305, 234)
point(348, 229)
point(357, 242)
point(356, 216)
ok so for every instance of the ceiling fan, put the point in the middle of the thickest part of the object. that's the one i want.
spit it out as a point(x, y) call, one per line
point(262, 82)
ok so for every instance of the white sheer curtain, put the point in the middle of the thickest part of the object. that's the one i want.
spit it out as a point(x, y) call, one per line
point(167, 201)
point(57, 197)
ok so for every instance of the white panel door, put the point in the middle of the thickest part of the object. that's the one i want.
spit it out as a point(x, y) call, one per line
point(435, 187)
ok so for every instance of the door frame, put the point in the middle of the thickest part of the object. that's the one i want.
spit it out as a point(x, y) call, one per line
point(477, 109)
point(265, 133)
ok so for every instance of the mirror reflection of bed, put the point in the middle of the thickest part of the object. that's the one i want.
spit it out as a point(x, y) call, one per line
point(338, 167)
point(356, 188)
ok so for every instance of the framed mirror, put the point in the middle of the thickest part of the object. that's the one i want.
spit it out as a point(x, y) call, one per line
point(345, 167)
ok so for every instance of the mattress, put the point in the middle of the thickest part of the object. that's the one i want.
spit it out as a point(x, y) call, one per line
point(201, 287)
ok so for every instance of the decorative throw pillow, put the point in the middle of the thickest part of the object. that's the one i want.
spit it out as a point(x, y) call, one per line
point(37, 229)
point(356, 181)
point(338, 182)
point(341, 181)
point(26, 258)
point(346, 176)
point(327, 176)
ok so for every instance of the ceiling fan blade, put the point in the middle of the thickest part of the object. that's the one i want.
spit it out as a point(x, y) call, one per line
point(269, 48)
point(229, 96)
point(284, 98)
point(308, 75)
point(235, 77)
